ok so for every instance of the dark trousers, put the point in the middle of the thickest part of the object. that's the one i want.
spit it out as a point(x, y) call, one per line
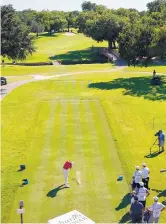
point(136, 218)
point(146, 182)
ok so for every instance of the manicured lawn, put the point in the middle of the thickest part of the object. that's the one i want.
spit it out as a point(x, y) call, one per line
point(81, 118)
point(50, 70)
point(59, 45)
point(159, 69)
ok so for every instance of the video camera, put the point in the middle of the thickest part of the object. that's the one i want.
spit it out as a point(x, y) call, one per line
point(158, 133)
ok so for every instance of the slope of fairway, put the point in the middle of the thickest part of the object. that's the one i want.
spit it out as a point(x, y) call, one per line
point(68, 47)
point(81, 119)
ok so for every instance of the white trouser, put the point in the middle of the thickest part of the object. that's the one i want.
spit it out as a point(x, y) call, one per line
point(66, 174)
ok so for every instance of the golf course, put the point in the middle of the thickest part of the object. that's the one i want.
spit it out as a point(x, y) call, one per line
point(101, 116)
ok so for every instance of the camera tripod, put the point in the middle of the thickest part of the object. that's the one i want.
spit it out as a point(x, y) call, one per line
point(153, 145)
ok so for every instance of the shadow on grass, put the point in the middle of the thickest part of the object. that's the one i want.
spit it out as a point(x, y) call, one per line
point(124, 202)
point(87, 56)
point(135, 86)
point(125, 218)
point(53, 193)
point(161, 193)
point(153, 155)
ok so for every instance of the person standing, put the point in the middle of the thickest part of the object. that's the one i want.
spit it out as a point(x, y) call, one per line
point(137, 177)
point(161, 140)
point(156, 210)
point(142, 193)
point(66, 167)
point(145, 175)
point(136, 211)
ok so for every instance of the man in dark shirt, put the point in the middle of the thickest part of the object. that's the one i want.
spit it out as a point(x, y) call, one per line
point(136, 211)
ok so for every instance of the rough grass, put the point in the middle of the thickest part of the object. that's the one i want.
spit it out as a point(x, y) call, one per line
point(87, 107)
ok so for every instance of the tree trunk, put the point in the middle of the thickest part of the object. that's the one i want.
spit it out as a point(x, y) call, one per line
point(68, 27)
point(109, 45)
point(114, 45)
point(37, 34)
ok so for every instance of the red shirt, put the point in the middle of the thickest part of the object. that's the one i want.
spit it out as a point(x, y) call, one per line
point(67, 165)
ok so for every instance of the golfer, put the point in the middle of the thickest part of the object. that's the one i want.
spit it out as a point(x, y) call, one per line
point(137, 177)
point(156, 210)
point(142, 193)
point(161, 140)
point(145, 175)
point(67, 166)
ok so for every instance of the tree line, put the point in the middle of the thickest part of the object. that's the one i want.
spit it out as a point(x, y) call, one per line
point(136, 34)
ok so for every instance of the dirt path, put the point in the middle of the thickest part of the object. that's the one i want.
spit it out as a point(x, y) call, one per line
point(11, 86)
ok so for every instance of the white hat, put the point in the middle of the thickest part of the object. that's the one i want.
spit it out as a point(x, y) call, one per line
point(137, 167)
point(156, 198)
point(141, 184)
point(143, 164)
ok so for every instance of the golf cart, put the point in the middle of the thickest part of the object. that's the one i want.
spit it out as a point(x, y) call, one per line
point(3, 81)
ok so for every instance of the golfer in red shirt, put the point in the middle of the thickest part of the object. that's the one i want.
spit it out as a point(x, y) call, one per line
point(67, 166)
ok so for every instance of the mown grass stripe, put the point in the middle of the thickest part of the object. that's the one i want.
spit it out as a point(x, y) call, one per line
point(111, 162)
point(103, 193)
point(39, 182)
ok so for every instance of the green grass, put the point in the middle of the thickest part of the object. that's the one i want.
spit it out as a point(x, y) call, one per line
point(82, 118)
point(160, 69)
point(50, 70)
point(49, 47)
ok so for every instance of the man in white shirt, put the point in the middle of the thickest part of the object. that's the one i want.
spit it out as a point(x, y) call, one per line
point(142, 193)
point(137, 177)
point(145, 175)
point(156, 210)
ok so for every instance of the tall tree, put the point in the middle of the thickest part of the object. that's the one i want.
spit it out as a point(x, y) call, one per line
point(16, 43)
point(88, 6)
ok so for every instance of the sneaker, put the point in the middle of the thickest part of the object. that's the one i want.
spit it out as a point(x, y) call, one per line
point(67, 186)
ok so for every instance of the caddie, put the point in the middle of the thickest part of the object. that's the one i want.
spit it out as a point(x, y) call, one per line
point(145, 175)
point(66, 167)
point(142, 193)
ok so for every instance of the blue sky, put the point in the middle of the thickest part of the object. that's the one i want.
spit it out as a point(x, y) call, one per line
point(68, 5)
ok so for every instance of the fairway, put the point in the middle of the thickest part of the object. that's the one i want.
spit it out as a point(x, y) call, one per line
point(95, 127)
point(70, 129)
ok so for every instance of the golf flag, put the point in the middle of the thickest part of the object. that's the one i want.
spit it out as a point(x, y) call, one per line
point(73, 217)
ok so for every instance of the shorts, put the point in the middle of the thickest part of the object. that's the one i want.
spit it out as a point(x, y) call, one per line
point(136, 185)
point(161, 143)
point(143, 203)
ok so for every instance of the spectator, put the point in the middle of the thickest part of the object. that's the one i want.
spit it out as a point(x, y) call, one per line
point(156, 210)
point(145, 175)
point(136, 211)
point(161, 140)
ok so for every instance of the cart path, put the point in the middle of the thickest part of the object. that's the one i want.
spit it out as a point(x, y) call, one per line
point(11, 86)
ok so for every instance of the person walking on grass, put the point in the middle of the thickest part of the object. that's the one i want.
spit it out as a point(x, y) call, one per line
point(136, 211)
point(66, 167)
point(137, 177)
point(145, 175)
point(156, 210)
point(142, 193)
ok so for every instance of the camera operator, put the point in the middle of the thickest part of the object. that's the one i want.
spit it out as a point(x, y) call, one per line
point(161, 139)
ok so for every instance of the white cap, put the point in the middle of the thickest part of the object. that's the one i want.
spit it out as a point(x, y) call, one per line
point(155, 198)
point(143, 164)
point(137, 167)
point(141, 184)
